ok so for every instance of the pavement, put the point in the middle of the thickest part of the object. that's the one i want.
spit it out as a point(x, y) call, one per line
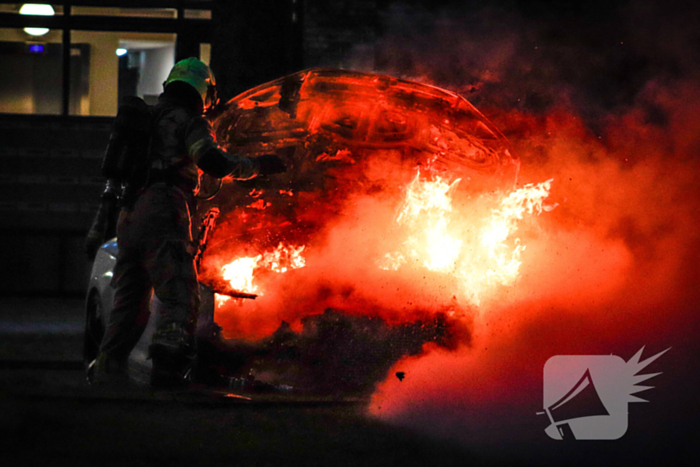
point(50, 415)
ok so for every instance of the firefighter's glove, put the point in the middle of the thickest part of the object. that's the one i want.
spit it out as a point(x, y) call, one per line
point(270, 164)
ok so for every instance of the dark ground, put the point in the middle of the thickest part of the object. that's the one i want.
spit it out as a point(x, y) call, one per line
point(51, 416)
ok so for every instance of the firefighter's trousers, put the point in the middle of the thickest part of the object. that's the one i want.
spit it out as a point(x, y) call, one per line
point(156, 254)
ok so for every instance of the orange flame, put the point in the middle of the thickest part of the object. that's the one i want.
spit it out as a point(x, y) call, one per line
point(503, 223)
point(474, 244)
point(429, 204)
point(282, 259)
point(241, 272)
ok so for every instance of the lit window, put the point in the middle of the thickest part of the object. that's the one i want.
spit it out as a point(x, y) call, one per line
point(31, 75)
point(198, 14)
point(205, 52)
point(16, 7)
point(117, 64)
point(169, 13)
point(38, 75)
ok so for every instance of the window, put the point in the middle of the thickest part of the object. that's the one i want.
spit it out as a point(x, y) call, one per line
point(31, 75)
point(14, 8)
point(118, 64)
point(169, 13)
point(74, 58)
point(205, 52)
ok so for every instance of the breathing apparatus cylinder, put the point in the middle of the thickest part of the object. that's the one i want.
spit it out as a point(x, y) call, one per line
point(124, 165)
point(129, 141)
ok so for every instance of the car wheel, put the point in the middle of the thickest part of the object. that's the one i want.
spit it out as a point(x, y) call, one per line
point(94, 328)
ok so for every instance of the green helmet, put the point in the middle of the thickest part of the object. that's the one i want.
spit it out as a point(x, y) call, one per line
point(198, 75)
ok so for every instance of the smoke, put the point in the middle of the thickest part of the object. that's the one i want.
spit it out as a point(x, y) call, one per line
point(604, 102)
point(600, 97)
point(338, 324)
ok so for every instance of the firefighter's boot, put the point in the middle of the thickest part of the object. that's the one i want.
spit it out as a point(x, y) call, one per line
point(172, 354)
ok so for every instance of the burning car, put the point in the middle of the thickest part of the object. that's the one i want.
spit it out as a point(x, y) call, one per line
point(350, 140)
point(335, 129)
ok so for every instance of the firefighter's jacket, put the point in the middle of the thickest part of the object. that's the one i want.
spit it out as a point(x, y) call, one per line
point(182, 140)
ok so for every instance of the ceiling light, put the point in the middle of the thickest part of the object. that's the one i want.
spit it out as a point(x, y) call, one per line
point(36, 9)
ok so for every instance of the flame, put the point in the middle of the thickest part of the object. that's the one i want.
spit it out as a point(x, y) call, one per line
point(474, 244)
point(241, 272)
point(429, 203)
point(503, 223)
point(283, 258)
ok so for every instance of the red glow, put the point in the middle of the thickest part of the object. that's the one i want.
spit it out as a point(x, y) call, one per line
point(355, 145)
point(611, 269)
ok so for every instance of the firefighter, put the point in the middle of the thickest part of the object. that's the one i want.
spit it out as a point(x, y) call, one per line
point(154, 230)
